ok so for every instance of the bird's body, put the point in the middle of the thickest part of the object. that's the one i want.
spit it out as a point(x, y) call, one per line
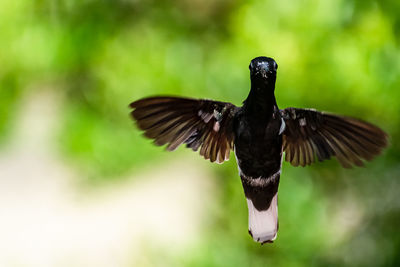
point(258, 146)
point(258, 132)
point(258, 149)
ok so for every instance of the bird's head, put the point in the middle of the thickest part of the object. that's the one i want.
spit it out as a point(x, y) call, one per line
point(263, 68)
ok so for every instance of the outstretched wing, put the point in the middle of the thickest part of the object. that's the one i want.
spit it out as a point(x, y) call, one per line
point(311, 134)
point(203, 124)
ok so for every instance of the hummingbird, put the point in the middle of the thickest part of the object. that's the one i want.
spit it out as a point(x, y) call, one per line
point(261, 136)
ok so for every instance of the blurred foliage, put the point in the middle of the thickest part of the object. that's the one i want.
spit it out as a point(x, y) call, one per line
point(342, 56)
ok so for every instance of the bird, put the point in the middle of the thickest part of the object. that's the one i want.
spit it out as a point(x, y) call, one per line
point(261, 136)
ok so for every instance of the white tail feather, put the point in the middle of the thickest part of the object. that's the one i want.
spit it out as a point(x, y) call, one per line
point(263, 225)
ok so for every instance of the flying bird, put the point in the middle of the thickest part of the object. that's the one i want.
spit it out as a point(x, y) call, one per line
point(258, 132)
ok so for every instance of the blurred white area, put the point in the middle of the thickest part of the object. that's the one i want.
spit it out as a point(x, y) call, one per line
point(46, 219)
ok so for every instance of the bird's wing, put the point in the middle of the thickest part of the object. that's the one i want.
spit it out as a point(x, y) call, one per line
point(203, 124)
point(311, 135)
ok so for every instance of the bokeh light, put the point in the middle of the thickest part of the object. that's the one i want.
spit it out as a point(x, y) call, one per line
point(80, 185)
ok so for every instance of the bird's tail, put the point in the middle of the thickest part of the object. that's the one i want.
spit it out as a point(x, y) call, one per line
point(263, 224)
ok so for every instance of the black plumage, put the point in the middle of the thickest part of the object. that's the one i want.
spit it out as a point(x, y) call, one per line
point(259, 132)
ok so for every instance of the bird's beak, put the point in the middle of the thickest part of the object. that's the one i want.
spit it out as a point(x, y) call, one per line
point(263, 73)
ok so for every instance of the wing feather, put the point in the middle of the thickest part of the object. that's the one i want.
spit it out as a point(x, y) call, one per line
point(311, 135)
point(173, 121)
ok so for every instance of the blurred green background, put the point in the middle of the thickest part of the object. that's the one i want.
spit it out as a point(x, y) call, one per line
point(340, 56)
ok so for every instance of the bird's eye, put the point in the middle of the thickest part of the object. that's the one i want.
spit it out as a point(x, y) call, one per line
point(250, 66)
point(275, 66)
